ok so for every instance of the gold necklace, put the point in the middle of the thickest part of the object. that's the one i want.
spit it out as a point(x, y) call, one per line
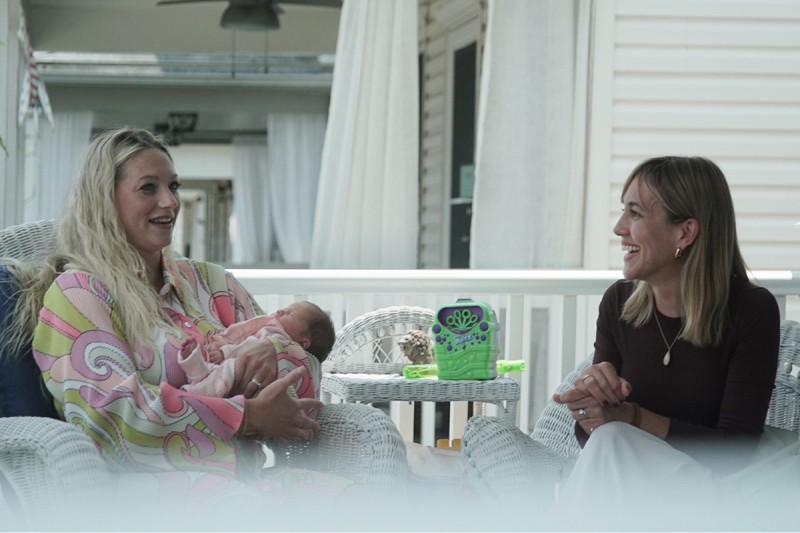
point(669, 346)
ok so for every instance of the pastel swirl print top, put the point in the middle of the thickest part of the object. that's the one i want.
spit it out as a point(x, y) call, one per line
point(128, 399)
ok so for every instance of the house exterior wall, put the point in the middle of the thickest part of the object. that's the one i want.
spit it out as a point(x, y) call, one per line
point(719, 78)
point(710, 77)
point(714, 78)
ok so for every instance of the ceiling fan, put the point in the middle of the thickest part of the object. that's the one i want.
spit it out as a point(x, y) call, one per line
point(254, 15)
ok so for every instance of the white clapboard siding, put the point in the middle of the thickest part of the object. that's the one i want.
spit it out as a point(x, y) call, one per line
point(431, 46)
point(716, 78)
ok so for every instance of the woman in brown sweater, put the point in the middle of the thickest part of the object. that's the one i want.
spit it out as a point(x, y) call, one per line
point(686, 348)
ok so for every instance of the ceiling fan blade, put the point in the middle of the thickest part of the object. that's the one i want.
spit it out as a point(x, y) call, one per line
point(168, 2)
point(320, 3)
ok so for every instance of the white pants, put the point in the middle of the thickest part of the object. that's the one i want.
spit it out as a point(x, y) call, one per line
point(626, 477)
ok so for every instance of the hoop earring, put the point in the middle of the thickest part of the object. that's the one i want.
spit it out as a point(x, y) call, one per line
point(678, 253)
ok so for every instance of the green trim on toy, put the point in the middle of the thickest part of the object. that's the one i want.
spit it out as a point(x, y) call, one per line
point(432, 370)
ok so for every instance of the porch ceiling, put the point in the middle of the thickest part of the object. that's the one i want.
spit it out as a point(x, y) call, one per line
point(132, 62)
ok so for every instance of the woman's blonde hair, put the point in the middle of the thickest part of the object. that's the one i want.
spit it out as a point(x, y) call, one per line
point(92, 239)
point(693, 187)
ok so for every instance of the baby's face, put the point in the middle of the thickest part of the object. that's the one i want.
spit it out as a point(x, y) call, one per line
point(295, 320)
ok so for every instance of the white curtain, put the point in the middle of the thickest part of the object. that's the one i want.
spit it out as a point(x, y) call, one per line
point(366, 213)
point(530, 151)
point(528, 201)
point(58, 152)
point(295, 154)
point(251, 227)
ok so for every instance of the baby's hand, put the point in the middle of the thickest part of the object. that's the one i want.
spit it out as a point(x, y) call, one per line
point(215, 356)
point(188, 345)
point(214, 349)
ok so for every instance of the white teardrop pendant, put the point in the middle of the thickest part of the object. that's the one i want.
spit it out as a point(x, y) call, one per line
point(666, 358)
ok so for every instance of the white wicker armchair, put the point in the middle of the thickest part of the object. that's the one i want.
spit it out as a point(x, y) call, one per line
point(369, 343)
point(46, 462)
point(504, 463)
point(32, 241)
point(784, 406)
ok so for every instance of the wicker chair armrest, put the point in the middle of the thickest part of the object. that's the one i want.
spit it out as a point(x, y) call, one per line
point(784, 405)
point(355, 441)
point(505, 464)
point(48, 464)
point(555, 428)
point(32, 241)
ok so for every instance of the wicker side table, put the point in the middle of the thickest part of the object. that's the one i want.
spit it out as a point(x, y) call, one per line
point(371, 388)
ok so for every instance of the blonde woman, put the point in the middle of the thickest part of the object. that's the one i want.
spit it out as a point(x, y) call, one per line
point(115, 317)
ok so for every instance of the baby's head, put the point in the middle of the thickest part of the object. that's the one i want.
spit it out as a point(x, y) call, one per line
point(309, 326)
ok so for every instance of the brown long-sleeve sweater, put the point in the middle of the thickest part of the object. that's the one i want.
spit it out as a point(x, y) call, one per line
point(716, 397)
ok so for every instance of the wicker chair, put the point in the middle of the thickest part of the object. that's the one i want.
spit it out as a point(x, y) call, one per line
point(503, 462)
point(369, 343)
point(32, 241)
point(46, 462)
point(784, 406)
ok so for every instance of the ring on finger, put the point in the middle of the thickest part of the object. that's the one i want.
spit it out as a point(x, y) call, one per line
point(255, 382)
point(582, 412)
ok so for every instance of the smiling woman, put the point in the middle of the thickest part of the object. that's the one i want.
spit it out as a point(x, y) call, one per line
point(686, 349)
point(148, 203)
point(115, 317)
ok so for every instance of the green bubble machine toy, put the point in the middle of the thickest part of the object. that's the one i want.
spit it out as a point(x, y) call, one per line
point(466, 342)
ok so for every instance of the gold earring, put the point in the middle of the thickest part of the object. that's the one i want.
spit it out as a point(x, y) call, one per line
point(678, 253)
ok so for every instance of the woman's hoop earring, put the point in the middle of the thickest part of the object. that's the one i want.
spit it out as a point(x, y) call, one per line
point(678, 253)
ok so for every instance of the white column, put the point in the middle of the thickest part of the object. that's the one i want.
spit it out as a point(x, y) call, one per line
point(11, 65)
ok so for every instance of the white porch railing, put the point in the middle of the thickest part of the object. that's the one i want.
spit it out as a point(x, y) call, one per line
point(547, 315)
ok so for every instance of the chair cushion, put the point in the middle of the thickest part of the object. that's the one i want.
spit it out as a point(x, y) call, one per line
point(22, 391)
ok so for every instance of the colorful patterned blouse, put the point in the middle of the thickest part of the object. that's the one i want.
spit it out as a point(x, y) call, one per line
point(128, 399)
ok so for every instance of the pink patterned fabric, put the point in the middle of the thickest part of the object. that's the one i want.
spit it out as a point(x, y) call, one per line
point(129, 398)
point(168, 444)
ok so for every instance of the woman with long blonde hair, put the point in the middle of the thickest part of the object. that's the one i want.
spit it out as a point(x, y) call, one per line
point(117, 308)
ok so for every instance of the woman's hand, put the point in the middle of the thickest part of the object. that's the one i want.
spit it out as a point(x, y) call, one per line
point(276, 415)
point(597, 396)
point(256, 366)
point(602, 382)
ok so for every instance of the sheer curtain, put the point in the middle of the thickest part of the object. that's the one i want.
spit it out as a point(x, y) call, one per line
point(366, 213)
point(531, 135)
point(295, 155)
point(251, 229)
point(530, 153)
point(58, 152)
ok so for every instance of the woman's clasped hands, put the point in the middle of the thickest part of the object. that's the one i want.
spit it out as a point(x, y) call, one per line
point(597, 397)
